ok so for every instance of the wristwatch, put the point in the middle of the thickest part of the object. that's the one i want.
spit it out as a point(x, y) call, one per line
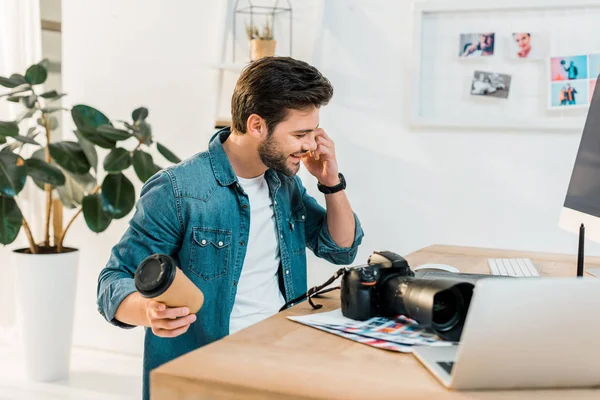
point(333, 189)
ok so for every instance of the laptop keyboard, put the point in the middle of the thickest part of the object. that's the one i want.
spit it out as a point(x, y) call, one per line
point(447, 365)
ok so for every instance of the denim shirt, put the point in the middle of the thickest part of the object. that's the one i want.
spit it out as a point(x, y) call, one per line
point(197, 212)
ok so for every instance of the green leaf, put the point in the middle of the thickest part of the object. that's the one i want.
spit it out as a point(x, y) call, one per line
point(118, 195)
point(88, 119)
point(8, 83)
point(15, 99)
point(29, 101)
point(70, 156)
point(75, 188)
point(168, 154)
point(60, 96)
point(26, 114)
point(13, 174)
point(112, 133)
point(36, 74)
point(49, 95)
point(39, 154)
point(89, 150)
point(10, 220)
point(95, 217)
point(127, 124)
point(18, 78)
point(43, 172)
point(143, 165)
point(144, 133)
point(45, 63)
point(117, 160)
point(52, 122)
point(25, 139)
point(9, 128)
point(139, 114)
point(20, 89)
point(2, 139)
point(99, 140)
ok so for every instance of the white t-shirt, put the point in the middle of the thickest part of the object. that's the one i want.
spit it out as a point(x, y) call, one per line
point(258, 295)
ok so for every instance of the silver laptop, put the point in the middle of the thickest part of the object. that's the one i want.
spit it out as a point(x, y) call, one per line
point(524, 333)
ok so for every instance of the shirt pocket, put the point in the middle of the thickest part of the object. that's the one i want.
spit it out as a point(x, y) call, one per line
point(210, 253)
point(296, 224)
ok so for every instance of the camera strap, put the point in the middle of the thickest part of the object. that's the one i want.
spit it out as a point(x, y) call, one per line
point(315, 291)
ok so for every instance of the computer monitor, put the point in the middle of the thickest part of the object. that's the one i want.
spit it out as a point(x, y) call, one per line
point(582, 202)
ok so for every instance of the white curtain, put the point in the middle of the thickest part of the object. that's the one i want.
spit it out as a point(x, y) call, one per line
point(20, 47)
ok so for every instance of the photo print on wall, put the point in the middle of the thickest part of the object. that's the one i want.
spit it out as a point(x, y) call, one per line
point(491, 84)
point(594, 72)
point(570, 83)
point(476, 45)
point(594, 66)
point(525, 45)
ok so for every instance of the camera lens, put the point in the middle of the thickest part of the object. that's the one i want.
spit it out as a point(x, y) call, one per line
point(448, 306)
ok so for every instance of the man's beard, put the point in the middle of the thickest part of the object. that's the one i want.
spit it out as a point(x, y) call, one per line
point(273, 158)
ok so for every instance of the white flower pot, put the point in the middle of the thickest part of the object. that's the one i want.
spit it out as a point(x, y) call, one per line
point(46, 287)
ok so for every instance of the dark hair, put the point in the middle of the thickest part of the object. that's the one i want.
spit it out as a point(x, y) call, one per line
point(270, 86)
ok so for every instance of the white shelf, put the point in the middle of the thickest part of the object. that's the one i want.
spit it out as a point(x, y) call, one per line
point(223, 121)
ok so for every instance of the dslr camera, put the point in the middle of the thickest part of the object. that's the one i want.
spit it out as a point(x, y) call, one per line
point(387, 287)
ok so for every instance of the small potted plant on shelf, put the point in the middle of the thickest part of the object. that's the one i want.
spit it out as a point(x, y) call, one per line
point(262, 43)
point(67, 172)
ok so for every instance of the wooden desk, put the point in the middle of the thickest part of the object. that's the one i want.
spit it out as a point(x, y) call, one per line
point(279, 358)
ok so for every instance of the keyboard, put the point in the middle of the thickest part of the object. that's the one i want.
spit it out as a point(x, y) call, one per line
point(512, 267)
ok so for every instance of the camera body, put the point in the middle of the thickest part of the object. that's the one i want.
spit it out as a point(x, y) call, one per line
point(387, 287)
point(361, 286)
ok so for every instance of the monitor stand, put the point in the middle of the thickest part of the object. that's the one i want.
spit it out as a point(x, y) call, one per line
point(580, 251)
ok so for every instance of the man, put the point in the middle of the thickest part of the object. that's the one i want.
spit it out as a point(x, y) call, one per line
point(485, 46)
point(236, 218)
point(571, 70)
point(571, 92)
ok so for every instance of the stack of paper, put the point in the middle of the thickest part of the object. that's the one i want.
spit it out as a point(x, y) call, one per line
point(399, 334)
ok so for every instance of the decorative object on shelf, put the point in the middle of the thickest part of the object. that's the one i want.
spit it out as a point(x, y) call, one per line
point(260, 26)
point(67, 171)
point(262, 43)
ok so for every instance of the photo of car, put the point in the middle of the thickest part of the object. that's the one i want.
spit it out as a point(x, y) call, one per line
point(490, 84)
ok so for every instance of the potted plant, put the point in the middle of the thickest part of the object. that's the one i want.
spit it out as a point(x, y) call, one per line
point(262, 43)
point(67, 172)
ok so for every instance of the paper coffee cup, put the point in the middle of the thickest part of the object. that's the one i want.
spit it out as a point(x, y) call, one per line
point(159, 278)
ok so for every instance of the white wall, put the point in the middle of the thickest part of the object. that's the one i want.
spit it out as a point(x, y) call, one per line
point(119, 55)
point(412, 188)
